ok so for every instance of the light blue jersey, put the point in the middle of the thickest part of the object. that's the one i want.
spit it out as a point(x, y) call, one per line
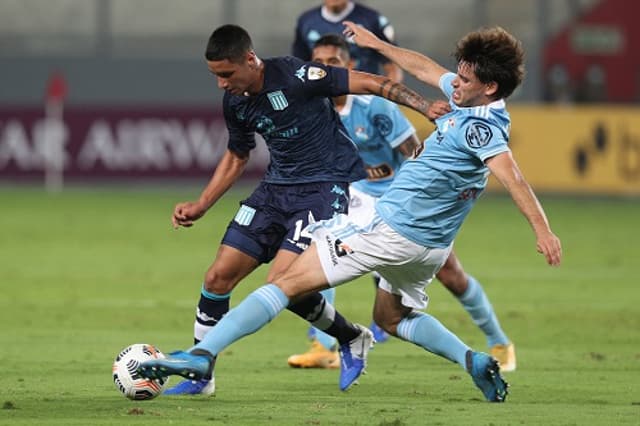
point(433, 193)
point(377, 126)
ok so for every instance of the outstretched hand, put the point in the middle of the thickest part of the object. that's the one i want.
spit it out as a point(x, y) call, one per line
point(360, 35)
point(437, 109)
point(184, 214)
point(549, 245)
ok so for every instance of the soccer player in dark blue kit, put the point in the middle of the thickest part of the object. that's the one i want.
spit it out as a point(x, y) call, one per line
point(327, 19)
point(287, 101)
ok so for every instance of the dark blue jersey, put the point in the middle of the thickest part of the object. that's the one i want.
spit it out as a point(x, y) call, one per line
point(314, 23)
point(294, 114)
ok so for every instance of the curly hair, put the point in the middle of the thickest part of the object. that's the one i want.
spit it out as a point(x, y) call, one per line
point(495, 55)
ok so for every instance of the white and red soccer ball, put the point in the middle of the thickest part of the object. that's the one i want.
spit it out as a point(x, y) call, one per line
point(127, 379)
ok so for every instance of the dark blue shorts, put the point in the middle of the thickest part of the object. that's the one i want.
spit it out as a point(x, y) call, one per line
point(274, 217)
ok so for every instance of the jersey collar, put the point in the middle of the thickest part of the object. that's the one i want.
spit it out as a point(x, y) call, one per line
point(346, 109)
point(326, 13)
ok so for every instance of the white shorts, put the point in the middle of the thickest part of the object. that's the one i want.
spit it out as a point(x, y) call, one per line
point(348, 250)
point(362, 207)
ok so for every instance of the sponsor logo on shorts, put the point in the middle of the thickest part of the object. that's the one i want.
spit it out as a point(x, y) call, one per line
point(337, 249)
point(332, 251)
point(342, 249)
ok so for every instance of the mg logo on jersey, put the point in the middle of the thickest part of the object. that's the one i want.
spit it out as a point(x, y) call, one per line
point(478, 135)
point(278, 100)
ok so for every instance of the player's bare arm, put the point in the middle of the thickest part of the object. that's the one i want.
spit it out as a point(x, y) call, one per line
point(505, 169)
point(229, 169)
point(362, 83)
point(416, 64)
point(408, 147)
point(393, 71)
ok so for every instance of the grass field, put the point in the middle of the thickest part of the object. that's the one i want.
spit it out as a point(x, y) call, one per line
point(85, 273)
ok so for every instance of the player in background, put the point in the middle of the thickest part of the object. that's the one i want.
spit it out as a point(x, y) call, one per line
point(327, 19)
point(287, 101)
point(385, 138)
point(416, 221)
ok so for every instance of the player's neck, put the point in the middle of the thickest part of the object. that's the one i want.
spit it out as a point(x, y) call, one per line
point(333, 16)
point(339, 102)
point(256, 87)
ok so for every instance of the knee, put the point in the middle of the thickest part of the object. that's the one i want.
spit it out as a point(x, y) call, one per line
point(219, 281)
point(453, 278)
point(385, 322)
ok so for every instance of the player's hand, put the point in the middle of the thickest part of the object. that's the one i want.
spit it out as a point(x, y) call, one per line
point(549, 245)
point(437, 109)
point(360, 35)
point(184, 214)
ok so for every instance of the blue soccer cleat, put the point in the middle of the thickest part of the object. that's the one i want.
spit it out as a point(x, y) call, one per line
point(193, 387)
point(185, 364)
point(379, 334)
point(353, 357)
point(485, 372)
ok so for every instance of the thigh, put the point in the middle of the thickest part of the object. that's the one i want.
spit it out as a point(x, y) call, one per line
point(228, 269)
point(303, 276)
point(453, 276)
point(388, 310)
point(280, 263)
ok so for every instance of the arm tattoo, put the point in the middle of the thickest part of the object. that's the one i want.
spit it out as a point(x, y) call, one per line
point(401, 94)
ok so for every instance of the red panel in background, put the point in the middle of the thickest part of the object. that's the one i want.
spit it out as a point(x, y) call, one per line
point(122, 143)
point(599, 53)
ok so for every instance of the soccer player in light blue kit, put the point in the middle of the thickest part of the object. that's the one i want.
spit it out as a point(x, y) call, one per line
point(416, 220)
point(385, 138)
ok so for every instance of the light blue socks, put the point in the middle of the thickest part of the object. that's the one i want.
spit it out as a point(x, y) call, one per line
point(476, 302)
point(254, 312)
point(426, 331)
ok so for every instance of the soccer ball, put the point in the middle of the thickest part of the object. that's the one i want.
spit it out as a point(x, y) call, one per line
point(127, 379)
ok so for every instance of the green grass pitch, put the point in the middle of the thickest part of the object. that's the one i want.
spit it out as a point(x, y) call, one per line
point(87, 272)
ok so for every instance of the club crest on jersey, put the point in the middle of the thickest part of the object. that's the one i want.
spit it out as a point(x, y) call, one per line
point(383, 123)
point(478, 135)
point(316, 73)
point(278, 100)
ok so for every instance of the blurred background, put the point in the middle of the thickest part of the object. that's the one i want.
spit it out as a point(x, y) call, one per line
point(117, 90)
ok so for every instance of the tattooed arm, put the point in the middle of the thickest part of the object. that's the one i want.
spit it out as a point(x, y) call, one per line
point(361, 83)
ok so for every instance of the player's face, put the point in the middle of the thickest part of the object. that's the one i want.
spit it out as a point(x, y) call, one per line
point(236, 78)
point(468, 91)
point(336, 6)
point(330, 55)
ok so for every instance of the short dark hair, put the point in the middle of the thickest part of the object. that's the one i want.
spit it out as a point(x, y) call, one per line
point(228, 42)
point(496, 56)
point(335, 40)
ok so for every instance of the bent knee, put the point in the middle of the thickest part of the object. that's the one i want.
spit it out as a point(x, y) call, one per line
point(453, 278)
point(387, 323)
point(219, 281)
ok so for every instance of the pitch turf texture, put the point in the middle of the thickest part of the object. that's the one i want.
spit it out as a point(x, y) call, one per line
point(85, 273)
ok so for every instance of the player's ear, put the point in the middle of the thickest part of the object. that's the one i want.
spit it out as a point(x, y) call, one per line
point(352, 64)
point(490, 89)
point(251, 59)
